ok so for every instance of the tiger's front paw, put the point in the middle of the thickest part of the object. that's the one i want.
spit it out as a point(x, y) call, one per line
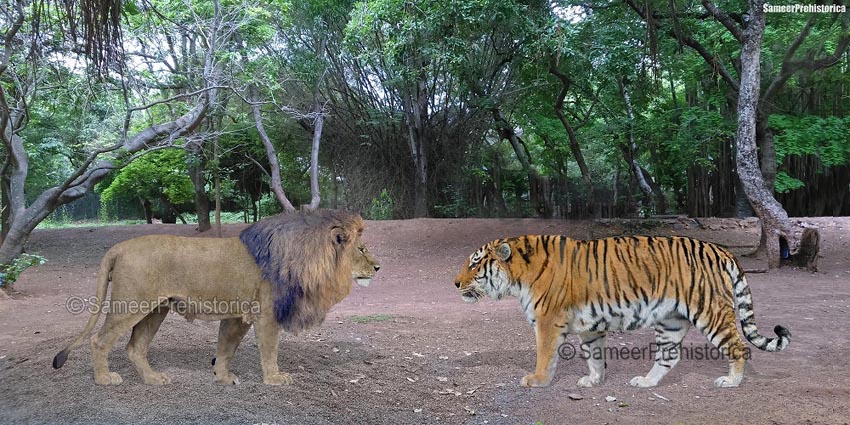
point(534, 380)
point(279, 378)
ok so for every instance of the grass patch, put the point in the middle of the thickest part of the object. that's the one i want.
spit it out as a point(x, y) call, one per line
point(55, 224)
point(371, 318)
point(227, 217)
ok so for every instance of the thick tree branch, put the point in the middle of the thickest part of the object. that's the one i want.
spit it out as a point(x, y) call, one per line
point(724, 19)
point(271, 153)
point(809, 63)
point(575, 148)
point(687, 40)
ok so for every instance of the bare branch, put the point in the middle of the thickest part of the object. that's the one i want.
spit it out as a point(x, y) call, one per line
point(274, 166)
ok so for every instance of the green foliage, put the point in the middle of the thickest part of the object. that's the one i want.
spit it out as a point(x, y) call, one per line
point(381, 207)
point(457, 205)
point(157, 175)
point(9, 273)
point(827, 138)
point(785, 183)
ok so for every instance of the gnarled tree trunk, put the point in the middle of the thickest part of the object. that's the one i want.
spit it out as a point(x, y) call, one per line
point(774, 220)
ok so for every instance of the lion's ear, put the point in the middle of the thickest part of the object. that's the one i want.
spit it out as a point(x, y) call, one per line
point(339, 236)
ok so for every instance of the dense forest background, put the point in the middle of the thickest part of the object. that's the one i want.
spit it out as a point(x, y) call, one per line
point(485, 108)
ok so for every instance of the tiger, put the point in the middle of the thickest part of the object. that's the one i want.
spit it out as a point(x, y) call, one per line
point(590, 287)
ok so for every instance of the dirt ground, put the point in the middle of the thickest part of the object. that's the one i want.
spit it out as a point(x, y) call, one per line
point(407, 349)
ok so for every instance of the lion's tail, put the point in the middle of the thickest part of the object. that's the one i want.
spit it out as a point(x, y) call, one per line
point(103, 277)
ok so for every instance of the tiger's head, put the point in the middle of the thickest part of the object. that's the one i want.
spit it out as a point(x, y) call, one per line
point(487, 273)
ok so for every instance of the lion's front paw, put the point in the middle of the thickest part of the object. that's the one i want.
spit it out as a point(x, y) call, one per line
point(279, 378)
point(727, 382)
point(110, 378)
point(227, 378)
point(156, 378)
point(642, 382)
point(588, 381)
point(534, 380)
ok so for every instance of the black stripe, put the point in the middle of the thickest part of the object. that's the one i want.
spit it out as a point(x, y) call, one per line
point(563, 241)
point(591, 341)
point(605, 268)
point(575, 253)
point(542, 269)
point(725, 339)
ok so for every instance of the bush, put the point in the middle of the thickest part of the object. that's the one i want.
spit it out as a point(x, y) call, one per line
point(381, 207)
point(10, 272)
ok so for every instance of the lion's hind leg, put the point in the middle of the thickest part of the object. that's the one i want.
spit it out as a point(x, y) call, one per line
point(115, 325)
point(137, 348)
point(230, 334)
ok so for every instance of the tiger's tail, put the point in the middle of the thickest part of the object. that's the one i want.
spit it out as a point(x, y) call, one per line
point(103, 277)
point(744, 305)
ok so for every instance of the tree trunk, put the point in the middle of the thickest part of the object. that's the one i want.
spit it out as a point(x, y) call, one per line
point(631, 155)
point(507, 132)
point(199, 182)
point(767, 150)
point(416, 108)
point(217, 187)
point(23, 218)
point(5, 218)
point(660, 200)
point(274, 165)
point(774, 219)
point(575, 149)
point(147, 210)
point(315, 197)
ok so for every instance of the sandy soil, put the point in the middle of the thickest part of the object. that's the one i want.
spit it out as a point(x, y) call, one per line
point(407, 349)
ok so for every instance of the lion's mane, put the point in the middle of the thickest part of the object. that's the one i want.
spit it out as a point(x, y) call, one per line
point(304, 255)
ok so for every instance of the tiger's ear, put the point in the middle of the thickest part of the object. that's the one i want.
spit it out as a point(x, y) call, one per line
point(503, 252)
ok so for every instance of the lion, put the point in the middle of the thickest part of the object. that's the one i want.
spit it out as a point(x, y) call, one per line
point(283, 272)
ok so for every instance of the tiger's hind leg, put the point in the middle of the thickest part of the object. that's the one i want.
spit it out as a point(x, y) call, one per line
point(724, 335)
point(668, 340)
point(593, 350)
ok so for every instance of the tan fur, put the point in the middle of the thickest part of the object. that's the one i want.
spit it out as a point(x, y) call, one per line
point(166, 273)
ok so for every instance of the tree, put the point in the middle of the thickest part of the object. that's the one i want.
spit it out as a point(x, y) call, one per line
point(23, 75)
point(158, 176)
point(774, 220)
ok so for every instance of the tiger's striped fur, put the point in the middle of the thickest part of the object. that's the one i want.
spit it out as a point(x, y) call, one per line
point(589, 287)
